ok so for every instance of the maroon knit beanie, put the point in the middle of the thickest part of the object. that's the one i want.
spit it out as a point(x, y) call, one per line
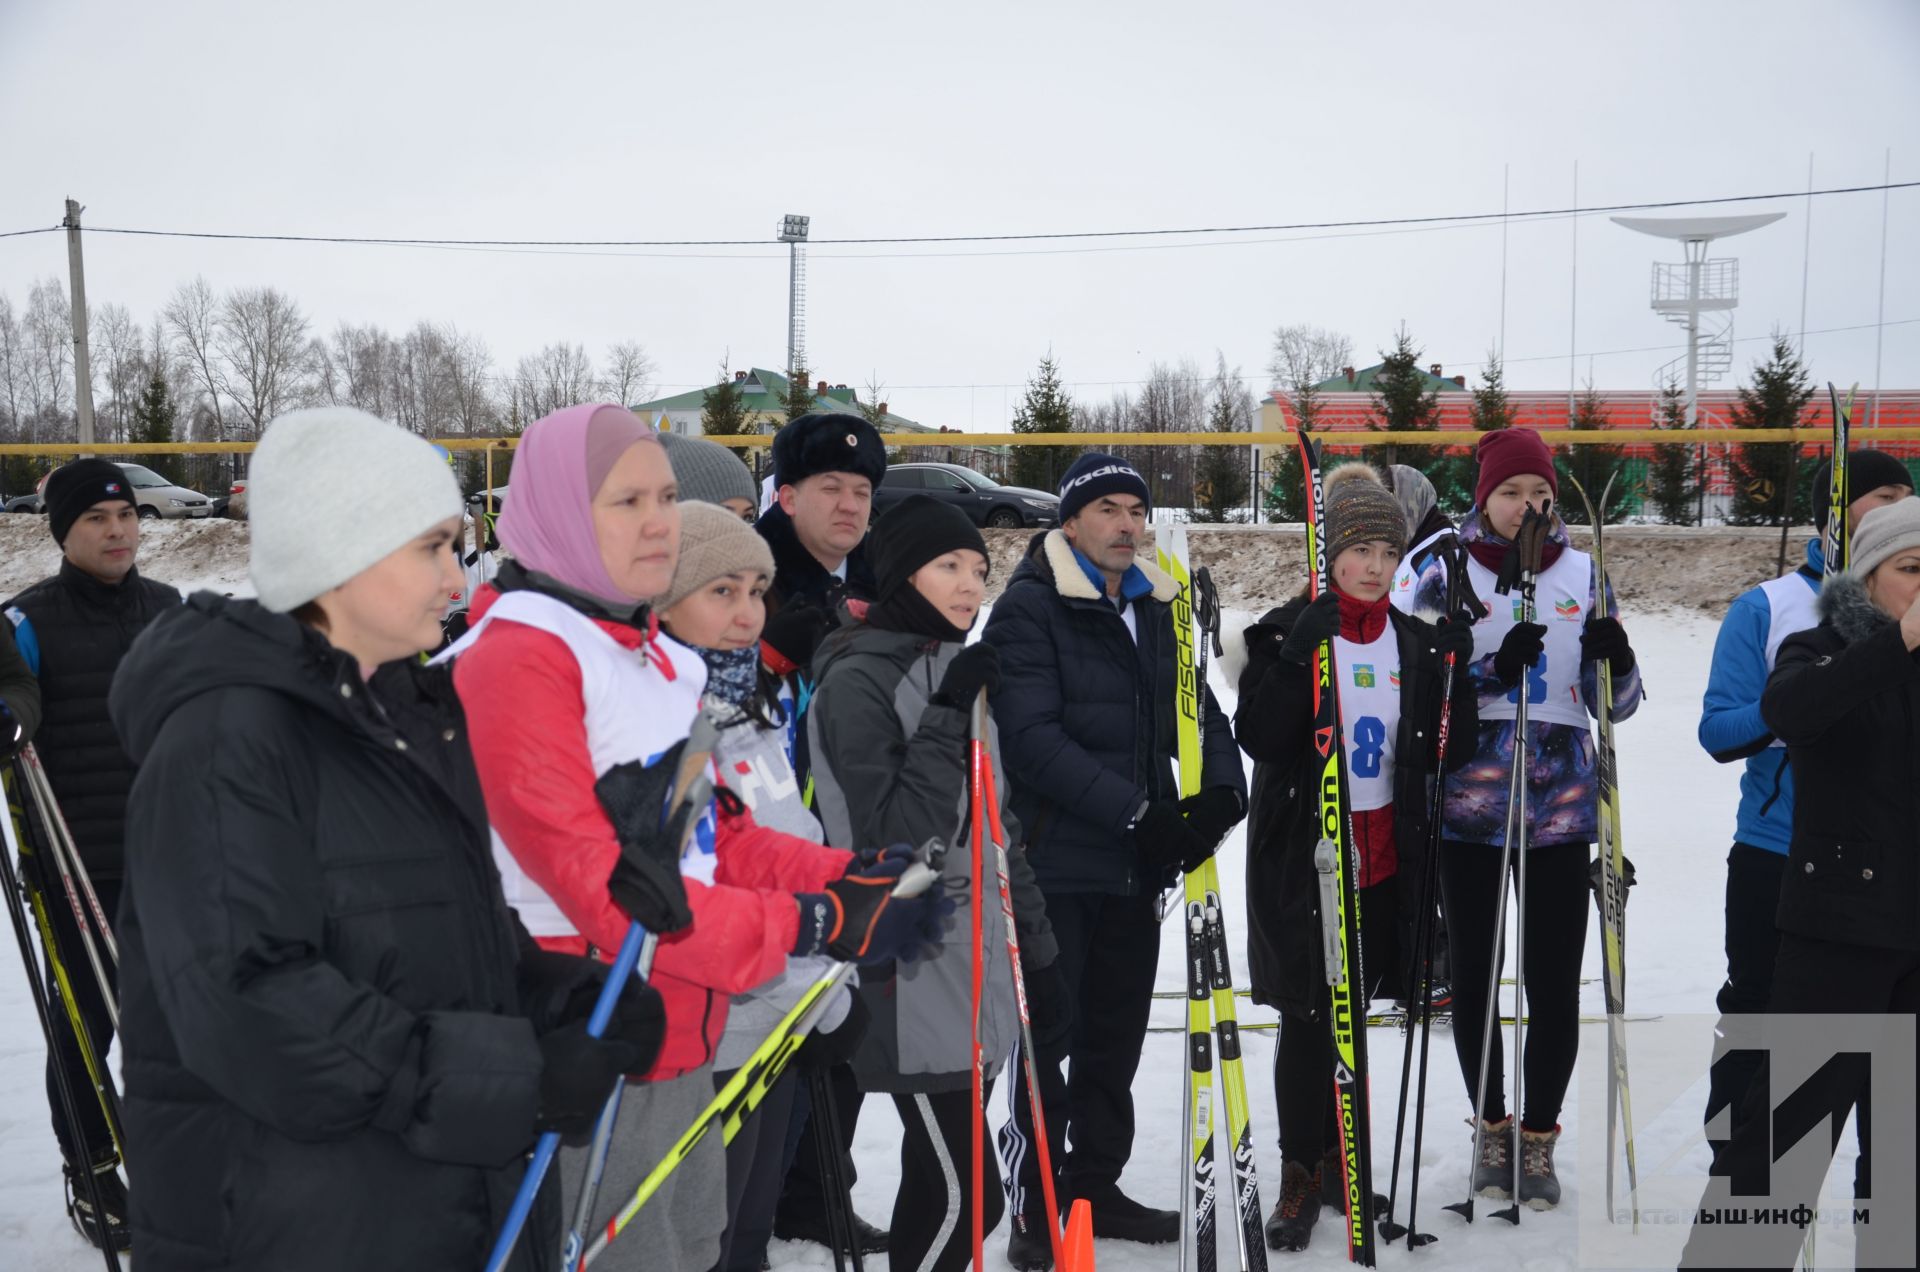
point(1510, 452)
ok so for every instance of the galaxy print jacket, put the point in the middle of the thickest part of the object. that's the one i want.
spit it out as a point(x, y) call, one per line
point(1562, 794)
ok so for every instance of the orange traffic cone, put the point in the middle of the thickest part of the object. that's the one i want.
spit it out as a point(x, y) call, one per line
point(1078, 1248)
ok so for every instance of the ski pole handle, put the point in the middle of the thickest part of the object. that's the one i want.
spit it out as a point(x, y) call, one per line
point(1326, 861)
point(543, 1153)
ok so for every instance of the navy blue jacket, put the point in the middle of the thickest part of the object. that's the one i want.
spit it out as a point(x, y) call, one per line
point(1086, 716)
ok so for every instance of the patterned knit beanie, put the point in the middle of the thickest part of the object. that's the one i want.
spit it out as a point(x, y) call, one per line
point(1360, 509)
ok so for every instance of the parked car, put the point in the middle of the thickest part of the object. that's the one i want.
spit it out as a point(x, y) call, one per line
point(234, 503)
point(979, 496)
point(158, 497)
point(26, 503)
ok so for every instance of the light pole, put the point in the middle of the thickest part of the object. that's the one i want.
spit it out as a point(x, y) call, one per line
point(793, 232)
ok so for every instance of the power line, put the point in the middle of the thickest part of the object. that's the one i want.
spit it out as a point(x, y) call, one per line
point(1459, 218)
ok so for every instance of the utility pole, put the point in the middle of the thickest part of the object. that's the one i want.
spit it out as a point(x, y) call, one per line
point(82, 368)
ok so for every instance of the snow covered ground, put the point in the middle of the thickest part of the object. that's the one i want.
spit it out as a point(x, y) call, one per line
point(1679, 809)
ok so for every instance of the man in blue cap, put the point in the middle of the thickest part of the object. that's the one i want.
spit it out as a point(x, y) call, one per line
point(1087, 725)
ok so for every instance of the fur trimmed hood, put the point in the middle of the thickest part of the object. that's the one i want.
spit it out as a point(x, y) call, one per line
point(1843, 605)
point(1071, 581)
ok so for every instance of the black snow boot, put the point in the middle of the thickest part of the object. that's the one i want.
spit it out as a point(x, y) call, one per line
point(1121, 1218)
point(1290, 1226)
point(113, 1202)
point(1333, 1184)
point(1029, 1248)
point(813, 1228)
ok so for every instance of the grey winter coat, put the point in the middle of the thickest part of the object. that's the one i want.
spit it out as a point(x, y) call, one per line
point(890, 766)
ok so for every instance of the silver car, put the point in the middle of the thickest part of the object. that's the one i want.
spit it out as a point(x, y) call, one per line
point(158, 497)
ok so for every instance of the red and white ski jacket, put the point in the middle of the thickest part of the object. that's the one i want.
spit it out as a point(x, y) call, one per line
point(550, 708)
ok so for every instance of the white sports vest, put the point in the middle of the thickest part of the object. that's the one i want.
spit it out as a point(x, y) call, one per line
point(1369, 715)
point(635, 710)
point(1562, 593)
point(1406, 576)
point(1791, 607)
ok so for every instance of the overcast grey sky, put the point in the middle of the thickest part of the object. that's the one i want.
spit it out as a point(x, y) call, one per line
point(648, 121)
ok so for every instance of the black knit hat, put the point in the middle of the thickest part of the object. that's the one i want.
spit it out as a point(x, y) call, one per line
point(1095, 474)
point(914, 532)
point(73, 488)
point(1866, 470)
point(815, 444)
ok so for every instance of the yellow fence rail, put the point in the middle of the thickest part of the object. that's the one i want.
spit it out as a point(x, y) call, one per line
point(1341, 440)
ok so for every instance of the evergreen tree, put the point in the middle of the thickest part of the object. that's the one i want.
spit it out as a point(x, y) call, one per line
point(1779, 393)
point(1220, 475)
point(1404, 398)
point(154, 418)
point(1672, 473)
point(799, 397)
point(1286, 482)
point(1591, 464)
point(1046, 408)
point(1491, 409)
point(723, 409)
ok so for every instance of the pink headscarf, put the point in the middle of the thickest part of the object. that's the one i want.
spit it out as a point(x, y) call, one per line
point(560, 464)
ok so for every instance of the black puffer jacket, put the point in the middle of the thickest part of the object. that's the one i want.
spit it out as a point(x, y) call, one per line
point(798, 576)
point(1274, 724)
point(1087, 715)
point(1845, 698)
point(324, 1067)
point(73, 631)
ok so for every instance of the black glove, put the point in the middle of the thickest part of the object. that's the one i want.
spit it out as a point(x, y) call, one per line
point(858, 919)
point(646, 880)
point(1212, 813)
point(557, 989)
point(1605, 638)
point(1049, 1009)
point(1456, 639)
point(795, 632)
point(11, 738)
point(640, 1021)
point(1316, 625)
point(577, 1076)
point(1166, 839)
point(822, 1051)
point(974, 668)
point(1522, 646)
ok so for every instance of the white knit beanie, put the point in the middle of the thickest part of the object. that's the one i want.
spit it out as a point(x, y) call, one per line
point(330, 492)
point(1888, 529)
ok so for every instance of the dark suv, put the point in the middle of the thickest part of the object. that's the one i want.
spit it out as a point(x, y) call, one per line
point(980, 497)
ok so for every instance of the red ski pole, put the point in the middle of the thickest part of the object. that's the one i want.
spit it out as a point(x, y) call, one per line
point(990, 796)
point(977, 762)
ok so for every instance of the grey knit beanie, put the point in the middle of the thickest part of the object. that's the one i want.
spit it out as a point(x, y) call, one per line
point(1360, 508)
point(1888, 529)
point(398, 485)
point(707, 471)
point(713, 543)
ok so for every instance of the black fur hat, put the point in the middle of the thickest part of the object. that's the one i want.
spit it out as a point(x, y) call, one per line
point(818, 443)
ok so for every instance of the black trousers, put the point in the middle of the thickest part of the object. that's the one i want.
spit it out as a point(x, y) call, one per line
point(754, 1167)
point(804, 1194)
point(933, 1211)
point(1109, 950)
point(1555, 937)
point(1303, 1056)
point(1822, 977)
point(95, 1140)
point(1752, 943)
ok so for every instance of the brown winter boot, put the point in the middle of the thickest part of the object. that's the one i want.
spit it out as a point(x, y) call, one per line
point(1290, 1226)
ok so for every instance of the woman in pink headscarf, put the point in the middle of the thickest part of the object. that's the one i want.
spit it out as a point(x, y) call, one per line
point(565, 674)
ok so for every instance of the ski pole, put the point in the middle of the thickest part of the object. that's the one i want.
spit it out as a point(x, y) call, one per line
point(56, 851)
point(1423, 942)
point(691, 786)
point(596, 1172)
point(50, 812)
point(63, 1089)
point(826, 1144)
point(977, 1132)
point(743, 1093)
point(989, 795)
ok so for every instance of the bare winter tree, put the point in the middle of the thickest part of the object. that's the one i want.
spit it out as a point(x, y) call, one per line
point(49, 332)
point(193, 322)
point(261, 335)
point(1173, 400)
point(471, 365)
point(629, 373)
point(117, 355)
point(13, 367)
point(1306, 354)
point(559, 375)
